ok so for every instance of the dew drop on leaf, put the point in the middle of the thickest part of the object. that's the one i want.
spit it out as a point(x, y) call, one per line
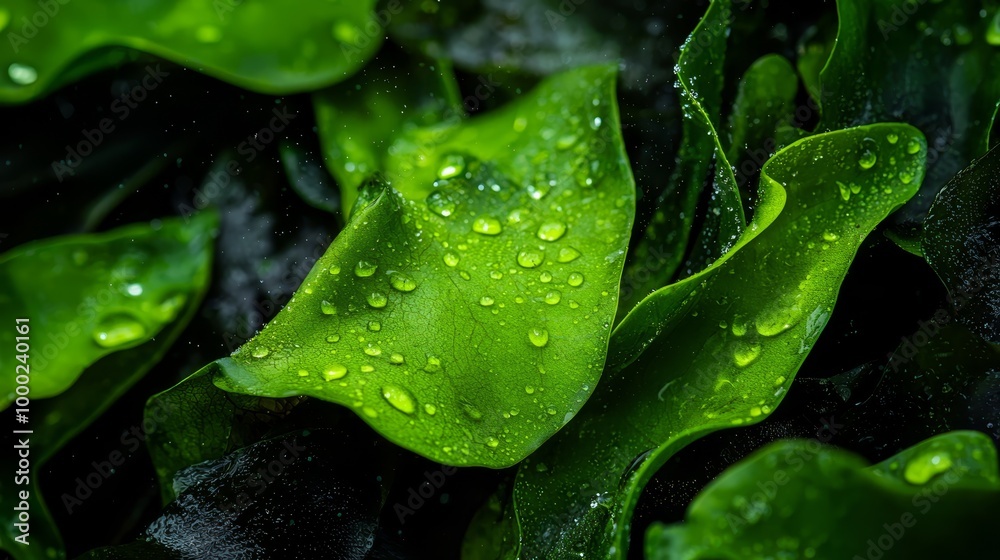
point(538, 336)
point(529, 259)
point(574, 279)
point(399, 398)
point(377, 300)
point(487, 225)
point(327, 308)
point(118, 329)
point(365, 269)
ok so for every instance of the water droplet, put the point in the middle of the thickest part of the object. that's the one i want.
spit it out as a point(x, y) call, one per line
point(402, 282)
point(472, 412)
point(346, 32)
point(538, 336)
point(373, 349)
point(845, 191)
point(551, 231)
point(486, 301)
point(430, 409)
point(333, 338)
point(492, 442)
point(335, 269)
point(487, 225)
point(529, 259)
point(374, 326)
point(565, 142)
point(867, 159)
point(22, 74)
point(774, 321)
point(399, 398)
point(913, 146)
point(367, 368)
point(892, 138)
point(496, 274)
point(303, 373)
point(396, 359)
point(545, 277)
point(922, 469)
point(377, 300)
point(574, 279)
point(905, 177)
point(739, 327)
point(529, 389)
point(369, 412)
point(134, 289)
point(364, 269)
point(746, 354)
point(553, 297)
point(537, 192)
point(327, 308)
point(450, 258)
point(441, 203)
point(260, 352)
point(453, 165)
point(433, 364)
point(118, 329)
point(567, 254)
point(830, 236)
point(520, 123)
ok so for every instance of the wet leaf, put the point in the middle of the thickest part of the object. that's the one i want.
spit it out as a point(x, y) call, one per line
point(262, 46)
point(801, 499)
point(464, 312)
point(718, 349)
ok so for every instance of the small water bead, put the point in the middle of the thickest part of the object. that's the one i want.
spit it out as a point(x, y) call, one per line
point(496, 274)
point(335, 270)
point(529, 259)
point(830, 236)
point(303, 373)
point(574, 279)
point(596, 123)
point(868, 155)
point(373, 349)
point(399, 398)
point(367, 368)
point(545, 277)
point(451, 259)
point(486, 301)
point(374, 326)
point(487, 225)
point(308, 291)
point(117, 330)
point(892, 138)
point(369, 412)
point(22, 74)
point(452, 166)
point(492, 442)
point(537, 192)
point(433, 364)
point(472, 412)
point(538, 336)
point(566, 142)
point(260, 352)
point(430, 409)
point(377, 300)
point(402, 282)
point(333, 338)
point(396, 359)
point(365, 269)
point(920, 470)
point(327, 308)
point(465, 275)
point(746, 354)
point(553, 297)
point(551, 231)
point(905, 177)
point(913, 146)
point(567, 254)
point(441, 203)
point(573, 304)
point(529, 389)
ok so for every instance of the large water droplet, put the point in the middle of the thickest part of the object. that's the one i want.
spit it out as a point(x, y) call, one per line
point(538, 336)
point(396, 359)
point(529, 259)
point(118, 329)
point(260, 352)
point(487, 225)
point(399, 398)
point(913, 146)
point(486, 301)
point(373, 349)
point(451, 259)
point(327, 308)
point(551, 231)
point(377, 300)
point(433, 364)
point(922, 469)
point(22, 74)
point(365, 269)
point(492, 442)
point(574, 279)
point(553, 297)
point(402, 282)
point(776, 320)
point(746, 354)
point(567, 254)
point(451, 166)
point(430, 409)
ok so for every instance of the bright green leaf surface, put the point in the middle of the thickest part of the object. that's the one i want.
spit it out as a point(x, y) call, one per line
point(63, 416)
point(267, 46)
point(961, 240)
point(656, 259)
point(90, 295)
point(798, 499)
point(465, 312)
point(936, 68)
point(719, 349)
point(360, 119)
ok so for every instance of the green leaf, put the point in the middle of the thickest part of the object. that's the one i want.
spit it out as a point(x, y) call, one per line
point(186, 248)
point(718, 349)
point(465, 312)
point(804, 500)
point(359, 120)
point(88, 296)
point(262, 46)
point(936, 69)
point(661, 251)
point(961, 241)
